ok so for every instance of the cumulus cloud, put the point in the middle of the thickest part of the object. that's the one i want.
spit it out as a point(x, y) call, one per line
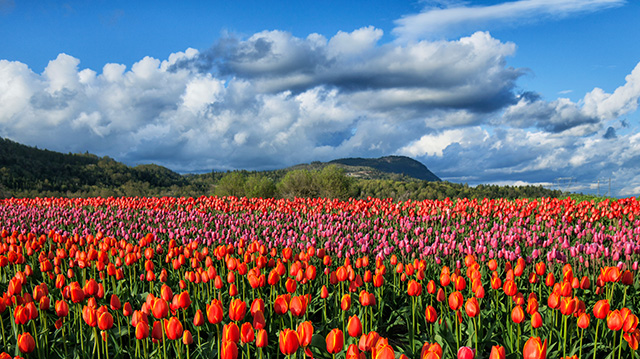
point(273, 99)
point(455, 17)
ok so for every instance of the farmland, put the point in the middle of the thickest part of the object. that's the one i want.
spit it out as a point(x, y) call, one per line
point(234, 277)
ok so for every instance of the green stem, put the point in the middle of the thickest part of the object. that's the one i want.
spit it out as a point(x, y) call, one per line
point(621, 337)
point(595, 341)
point(580, 351)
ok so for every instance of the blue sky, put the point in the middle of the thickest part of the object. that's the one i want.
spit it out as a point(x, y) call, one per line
point(507, 92)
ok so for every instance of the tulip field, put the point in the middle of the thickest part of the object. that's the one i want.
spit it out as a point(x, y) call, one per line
point(234, 278)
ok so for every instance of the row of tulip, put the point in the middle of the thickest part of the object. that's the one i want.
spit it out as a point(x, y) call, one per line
point(297, 272)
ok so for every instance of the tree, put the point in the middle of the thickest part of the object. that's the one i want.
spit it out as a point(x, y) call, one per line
point(231, 184)
point(258, 186)
point(333, 183)
point(297, 183)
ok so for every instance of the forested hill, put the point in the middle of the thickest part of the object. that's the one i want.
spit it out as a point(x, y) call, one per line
point(31, 172)
point(28, 170)
point(392, 164)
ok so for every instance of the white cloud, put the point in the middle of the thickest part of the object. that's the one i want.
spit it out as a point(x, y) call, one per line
point(436, 21)
point(274, 100)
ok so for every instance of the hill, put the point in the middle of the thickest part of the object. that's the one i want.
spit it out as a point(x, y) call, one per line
point(392, 164)
point(31, 172)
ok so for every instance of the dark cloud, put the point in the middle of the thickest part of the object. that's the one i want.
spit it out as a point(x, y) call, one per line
point(610, 134)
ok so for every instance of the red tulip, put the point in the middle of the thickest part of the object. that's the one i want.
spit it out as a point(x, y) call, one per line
point(262, 340)
point(231, 332)
point(354, 326)
point(335, 341)
point(298, 306)
point(281, 305)
point(456, 300)
point(62, 308)
point(601, 309)
point(198, 318)
point(414, 288)
point(184, 300)
point(517, 314)
point(345, 303)
point(472, 308)
point(614, 320)
point(26, 344)
point(90, 316)
point(229, 350)
point(583, 320)
point(105, 321)
point(289, 341)
point(534, 348)
point(466, 353)
point(214, 312)
point(142, 330)
point(305, 333)
point(237, 309)
point(160, 308)
point(173, 328)
point(246, 333)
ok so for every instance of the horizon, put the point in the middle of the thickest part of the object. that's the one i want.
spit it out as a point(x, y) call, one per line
point(522, 92)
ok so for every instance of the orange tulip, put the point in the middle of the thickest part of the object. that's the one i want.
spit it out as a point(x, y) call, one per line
point(414, 288)
point(517, 314)
point(497, 351)
point(187, 338)
point(142, 330)
point(62, 308)
point(258, 320)
point(298, 306)
point(305, 332)
point(26, 344)
point(105, 321)
point(614, 320)
point(229, 350)
point(246, 333)
point(456, 300)
point(262, 339)
point(354, 326)
point(335, 341)
point(231, 332)
point(214, 312)
point(601, 309)
point(583, 321)
point(345, 303)
point(472, 308)
point(160, 308)
point(237, 309)
point(173, 328)
point(288, 341)
point(534, 348)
